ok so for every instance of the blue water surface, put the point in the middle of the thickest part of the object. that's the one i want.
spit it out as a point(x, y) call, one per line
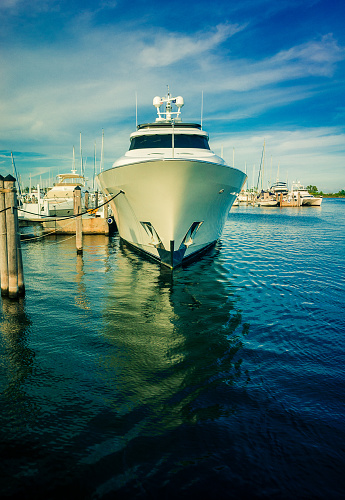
point(223, 379)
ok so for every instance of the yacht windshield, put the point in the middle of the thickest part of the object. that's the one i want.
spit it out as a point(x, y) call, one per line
point(165, 141)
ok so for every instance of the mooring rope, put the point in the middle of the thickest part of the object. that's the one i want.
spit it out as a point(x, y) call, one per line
point(68, 216)
point(47, 217)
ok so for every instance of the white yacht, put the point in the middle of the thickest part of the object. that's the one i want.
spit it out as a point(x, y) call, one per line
point(58, 201)
point(306, 199)
point(175, 193)
point(59, 198)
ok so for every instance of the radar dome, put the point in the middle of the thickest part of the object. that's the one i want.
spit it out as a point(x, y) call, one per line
point(179, 101)
point(157, 101)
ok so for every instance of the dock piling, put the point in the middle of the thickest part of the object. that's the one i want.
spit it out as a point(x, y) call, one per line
point(3, 242)
point(86, 200)
point(78, 220)
point(14, 255)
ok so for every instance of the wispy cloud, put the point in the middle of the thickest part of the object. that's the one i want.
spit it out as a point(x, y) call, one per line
point(33, 7)
point(317, 57)
point(168, 48)
point(303, 154)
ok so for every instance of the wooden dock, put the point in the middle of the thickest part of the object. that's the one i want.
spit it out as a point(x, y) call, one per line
point(57, 225)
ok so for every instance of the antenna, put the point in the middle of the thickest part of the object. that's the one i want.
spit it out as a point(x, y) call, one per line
point(136, 109)
point(202, 106)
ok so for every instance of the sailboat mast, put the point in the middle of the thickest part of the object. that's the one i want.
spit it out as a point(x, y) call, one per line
point(263, 167)
point(271, 173)
point(94, 168)
point(73, 161)
point(257, 185)
point(15, 174)
point(101, 163)
point(81, 157)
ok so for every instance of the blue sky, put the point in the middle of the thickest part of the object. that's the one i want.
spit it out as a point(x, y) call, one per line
point(269, 71)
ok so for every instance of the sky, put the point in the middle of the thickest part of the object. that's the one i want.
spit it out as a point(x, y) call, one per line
point(267, 72)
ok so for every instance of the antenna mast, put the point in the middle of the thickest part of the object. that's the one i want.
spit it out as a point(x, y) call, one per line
point(202, 106)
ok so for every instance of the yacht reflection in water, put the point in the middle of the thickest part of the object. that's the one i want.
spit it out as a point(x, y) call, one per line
point(176, 341)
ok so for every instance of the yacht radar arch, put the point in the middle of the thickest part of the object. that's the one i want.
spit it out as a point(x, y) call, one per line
point(168, 115)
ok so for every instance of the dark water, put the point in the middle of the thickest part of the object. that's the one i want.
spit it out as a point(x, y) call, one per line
point(223, 380)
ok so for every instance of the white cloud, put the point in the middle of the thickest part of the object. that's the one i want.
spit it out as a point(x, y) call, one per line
point(309, 155)
point(168, 48)
point(314, 57)
point(33, 7)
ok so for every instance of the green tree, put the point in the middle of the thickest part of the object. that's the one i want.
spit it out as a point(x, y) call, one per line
point(312, 189)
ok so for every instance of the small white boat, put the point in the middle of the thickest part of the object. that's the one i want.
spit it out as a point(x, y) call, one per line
point(268, 202)
point(245, 197)
point(175, 193)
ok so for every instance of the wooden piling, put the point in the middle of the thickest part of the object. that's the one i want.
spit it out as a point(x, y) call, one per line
point(21, 286)
point(11, 226)
point(86, 200)
point(78, 220)
point(3, 242)
point(96, 199)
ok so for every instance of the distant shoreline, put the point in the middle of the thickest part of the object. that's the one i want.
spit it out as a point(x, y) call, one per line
point(330, 196)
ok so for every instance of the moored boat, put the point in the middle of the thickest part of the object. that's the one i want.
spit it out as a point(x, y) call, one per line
point(175, 192)
point(299, 192)
point(59, 199)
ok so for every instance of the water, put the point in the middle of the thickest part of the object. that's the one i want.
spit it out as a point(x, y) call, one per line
point(225, 379)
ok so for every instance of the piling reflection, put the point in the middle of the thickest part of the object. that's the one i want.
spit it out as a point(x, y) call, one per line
point(81, 298)
point(176, 339)
point(17, 357)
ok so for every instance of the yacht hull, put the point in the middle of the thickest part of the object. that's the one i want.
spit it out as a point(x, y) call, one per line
point(171, 209)
point(311, 202)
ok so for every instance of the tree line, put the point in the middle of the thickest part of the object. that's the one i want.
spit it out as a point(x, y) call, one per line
point(314, 190)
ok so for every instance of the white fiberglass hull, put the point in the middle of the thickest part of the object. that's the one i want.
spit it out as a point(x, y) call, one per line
point(268, 203)
point(312, 202)
point(172, 209)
